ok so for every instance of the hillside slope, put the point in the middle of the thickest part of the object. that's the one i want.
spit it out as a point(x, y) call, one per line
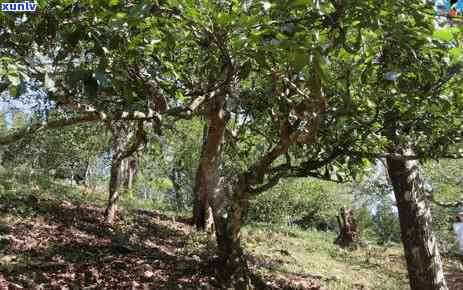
point(51, 243)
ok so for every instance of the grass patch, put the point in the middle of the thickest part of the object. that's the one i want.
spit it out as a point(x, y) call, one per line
point(312, 253)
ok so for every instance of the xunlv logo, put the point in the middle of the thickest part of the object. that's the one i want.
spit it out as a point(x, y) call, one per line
point(18, 7)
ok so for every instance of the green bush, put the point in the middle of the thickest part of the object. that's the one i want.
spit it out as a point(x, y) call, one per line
point(307, 203)
point(6, 179)
point(386, 224)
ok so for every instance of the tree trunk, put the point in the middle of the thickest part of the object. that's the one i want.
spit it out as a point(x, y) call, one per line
point(202, 212)
point(131, 172)
point(119, 140)
point(348, 232)
point(424, 263)
point(233, 272)
point(174, 178)
point(114, 191)
point(226, 203)
point(130, 176)
point(202, 217)
point(122, 150)
point(124, 172)
point(87, 175)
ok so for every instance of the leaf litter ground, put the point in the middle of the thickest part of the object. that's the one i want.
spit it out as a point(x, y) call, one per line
point(50, 244)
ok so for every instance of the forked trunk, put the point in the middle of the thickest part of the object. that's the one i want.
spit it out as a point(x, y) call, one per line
point(424, 263)
point(122, 153)
point(227, 208)
point(115, 180)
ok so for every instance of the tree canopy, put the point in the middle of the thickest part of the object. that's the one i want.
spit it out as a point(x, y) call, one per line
point(285, 88)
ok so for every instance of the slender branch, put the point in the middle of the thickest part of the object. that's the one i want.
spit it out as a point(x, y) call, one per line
point(291, 172)
point(187, 111)
point(123, 115)
point(398, 156)
point(271, 183)
point(395, 156)
point(34, 128)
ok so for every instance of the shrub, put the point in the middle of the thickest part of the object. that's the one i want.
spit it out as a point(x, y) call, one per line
point(307, 203)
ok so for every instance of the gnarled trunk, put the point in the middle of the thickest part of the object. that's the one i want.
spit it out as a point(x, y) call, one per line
point(121, 150)
point(228, 211)
point(114, 191)
point(348, 232)
point(424, 263)
point(115, 179)
point(202, 212)
point(226, 204)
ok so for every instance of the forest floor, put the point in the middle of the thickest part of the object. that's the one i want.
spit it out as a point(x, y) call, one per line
point(60, 243)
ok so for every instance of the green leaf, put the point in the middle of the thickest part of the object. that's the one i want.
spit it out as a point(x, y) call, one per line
point(443, 34)
point(370, 104)
point(456, 52)
point(223, 18)
point(180, 96)
point(300, 59)
point(245, 70)
point(300, 3)
point(13, 77)
point(121, 15)
point(14, 91)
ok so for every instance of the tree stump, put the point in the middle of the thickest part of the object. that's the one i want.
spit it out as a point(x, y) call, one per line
point(348, 232)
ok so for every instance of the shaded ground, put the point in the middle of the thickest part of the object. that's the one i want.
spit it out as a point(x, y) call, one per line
point(50, 244)
point(46, 244)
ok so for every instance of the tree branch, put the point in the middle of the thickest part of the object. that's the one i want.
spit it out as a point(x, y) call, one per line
point(397, 156)
point(34, 128)
point(140, 140)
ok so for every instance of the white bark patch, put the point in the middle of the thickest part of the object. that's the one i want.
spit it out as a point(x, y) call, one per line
point(422, 208)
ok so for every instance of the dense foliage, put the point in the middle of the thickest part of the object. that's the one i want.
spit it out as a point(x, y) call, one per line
point(212, 103)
